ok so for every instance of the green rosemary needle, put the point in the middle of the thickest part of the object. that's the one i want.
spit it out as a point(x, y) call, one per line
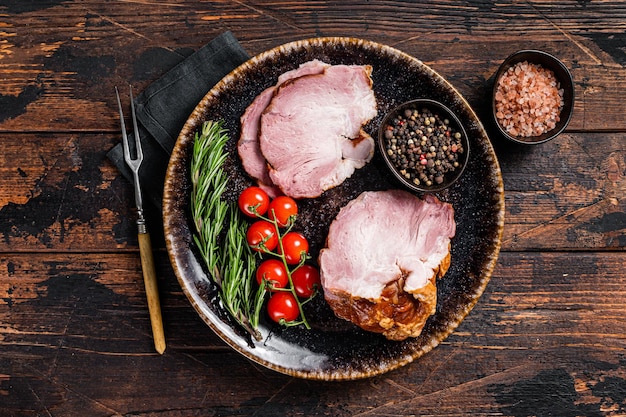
point(228, 258)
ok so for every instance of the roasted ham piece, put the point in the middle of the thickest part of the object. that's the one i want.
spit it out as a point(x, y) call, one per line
point(383, 254)
point(311, 133)
point(303, 135)
point(248, 145)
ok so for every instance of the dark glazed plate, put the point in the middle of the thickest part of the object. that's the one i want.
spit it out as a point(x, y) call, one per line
point(335, 349)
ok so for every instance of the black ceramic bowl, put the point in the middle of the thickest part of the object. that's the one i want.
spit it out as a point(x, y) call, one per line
point(565, 81)
point(409, 176)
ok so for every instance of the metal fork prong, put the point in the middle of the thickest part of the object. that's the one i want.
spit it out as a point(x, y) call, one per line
point(138, 149)
point(127, 157)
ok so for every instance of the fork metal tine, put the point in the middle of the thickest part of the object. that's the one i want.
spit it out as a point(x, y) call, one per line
point(124, 136)
point(135, 128)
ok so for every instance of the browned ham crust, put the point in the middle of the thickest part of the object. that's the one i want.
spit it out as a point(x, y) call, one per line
point(384, 253)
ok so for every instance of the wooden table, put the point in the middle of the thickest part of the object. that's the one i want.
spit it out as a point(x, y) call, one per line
point(548, 337)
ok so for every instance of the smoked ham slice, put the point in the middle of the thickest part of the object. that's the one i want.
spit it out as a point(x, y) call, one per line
point(311, 131)
point(248, 147)
point(383, 254)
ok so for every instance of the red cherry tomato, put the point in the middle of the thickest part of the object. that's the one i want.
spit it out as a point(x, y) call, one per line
point(295, 247)
point(283, 305)
point(274, 271)
point(261, 236)
point(253, 201)
point(305, 280)
point(283, 209)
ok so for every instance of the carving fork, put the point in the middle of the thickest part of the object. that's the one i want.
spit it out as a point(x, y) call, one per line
point(145, 246)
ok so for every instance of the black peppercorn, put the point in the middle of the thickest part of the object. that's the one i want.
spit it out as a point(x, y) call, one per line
point(423, 147)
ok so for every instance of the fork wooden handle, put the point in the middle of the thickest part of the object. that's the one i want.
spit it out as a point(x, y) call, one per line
point(152, 291)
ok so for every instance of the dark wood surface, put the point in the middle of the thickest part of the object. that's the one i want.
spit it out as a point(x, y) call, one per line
point(547, 338)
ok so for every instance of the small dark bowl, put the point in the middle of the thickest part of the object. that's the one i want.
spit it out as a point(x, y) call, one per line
point(566, 83)
point(437, 108)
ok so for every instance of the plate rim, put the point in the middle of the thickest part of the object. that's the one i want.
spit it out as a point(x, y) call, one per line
point(169, 195)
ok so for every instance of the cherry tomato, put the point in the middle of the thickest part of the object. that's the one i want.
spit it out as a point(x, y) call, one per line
point(253, 201)
point(283, 209)
point(305, 280)
point(261, 236)
point(283, 305)
point(274, 271)
point(295, 246)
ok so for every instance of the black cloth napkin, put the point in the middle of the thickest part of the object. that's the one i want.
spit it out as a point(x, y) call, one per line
point(164, 106)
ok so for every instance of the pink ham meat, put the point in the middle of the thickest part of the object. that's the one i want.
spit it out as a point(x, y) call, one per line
point(248, 145)
point(383, 254)
point(311, 132)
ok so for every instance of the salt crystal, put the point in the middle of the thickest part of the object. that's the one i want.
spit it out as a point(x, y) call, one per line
point(530, 89)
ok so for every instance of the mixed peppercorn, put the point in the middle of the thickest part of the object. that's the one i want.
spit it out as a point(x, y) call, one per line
point(423, 147)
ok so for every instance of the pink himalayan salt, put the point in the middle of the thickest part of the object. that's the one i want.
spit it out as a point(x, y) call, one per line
point(528, 100)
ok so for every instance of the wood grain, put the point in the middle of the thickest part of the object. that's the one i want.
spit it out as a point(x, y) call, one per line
point(46, 80)
point(89, 313)
point(152, 291)
point(59, 191)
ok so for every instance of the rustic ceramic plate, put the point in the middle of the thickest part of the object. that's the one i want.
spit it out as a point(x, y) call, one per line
point(335, 349)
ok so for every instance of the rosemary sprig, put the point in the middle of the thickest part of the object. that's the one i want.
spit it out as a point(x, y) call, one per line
point(208, 184)
point(228, 258)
